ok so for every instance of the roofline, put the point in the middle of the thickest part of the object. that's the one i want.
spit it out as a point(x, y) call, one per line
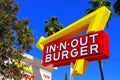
point(36, 62)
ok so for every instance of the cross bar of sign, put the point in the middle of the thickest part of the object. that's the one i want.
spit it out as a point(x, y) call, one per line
point(93, 22)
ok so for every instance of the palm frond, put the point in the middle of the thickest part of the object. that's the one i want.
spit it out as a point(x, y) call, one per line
point(52, 26)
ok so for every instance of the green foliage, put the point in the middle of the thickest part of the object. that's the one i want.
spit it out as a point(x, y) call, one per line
point(117, 7)
point(97, 4)
point(52, 26)
point(16, 38)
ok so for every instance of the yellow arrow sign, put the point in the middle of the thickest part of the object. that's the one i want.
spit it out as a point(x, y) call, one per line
point(92, 22)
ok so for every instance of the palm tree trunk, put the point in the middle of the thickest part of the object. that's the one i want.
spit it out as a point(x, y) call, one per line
point(101, 69)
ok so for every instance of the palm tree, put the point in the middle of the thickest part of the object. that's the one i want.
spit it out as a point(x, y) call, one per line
point(95, 5)
point(117, 7)
point(52, 26)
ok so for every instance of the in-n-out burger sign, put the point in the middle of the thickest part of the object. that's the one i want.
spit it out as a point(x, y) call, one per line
point(91, 47)
point(80, 50)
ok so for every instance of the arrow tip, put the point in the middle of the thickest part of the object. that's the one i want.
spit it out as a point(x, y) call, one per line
point(39, 45)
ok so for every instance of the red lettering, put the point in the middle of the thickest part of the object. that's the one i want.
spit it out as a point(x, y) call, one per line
point(28, 77)
point(46, 76)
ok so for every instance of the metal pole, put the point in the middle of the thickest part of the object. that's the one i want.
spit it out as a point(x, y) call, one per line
point(101, 69)
point(71, 67)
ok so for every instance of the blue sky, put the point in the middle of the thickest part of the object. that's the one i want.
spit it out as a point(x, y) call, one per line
point(69, 11)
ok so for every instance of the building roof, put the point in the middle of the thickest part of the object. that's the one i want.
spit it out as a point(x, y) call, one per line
point(30, 60)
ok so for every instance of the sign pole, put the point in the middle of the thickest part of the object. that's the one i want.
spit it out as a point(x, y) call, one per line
point(71, 75)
